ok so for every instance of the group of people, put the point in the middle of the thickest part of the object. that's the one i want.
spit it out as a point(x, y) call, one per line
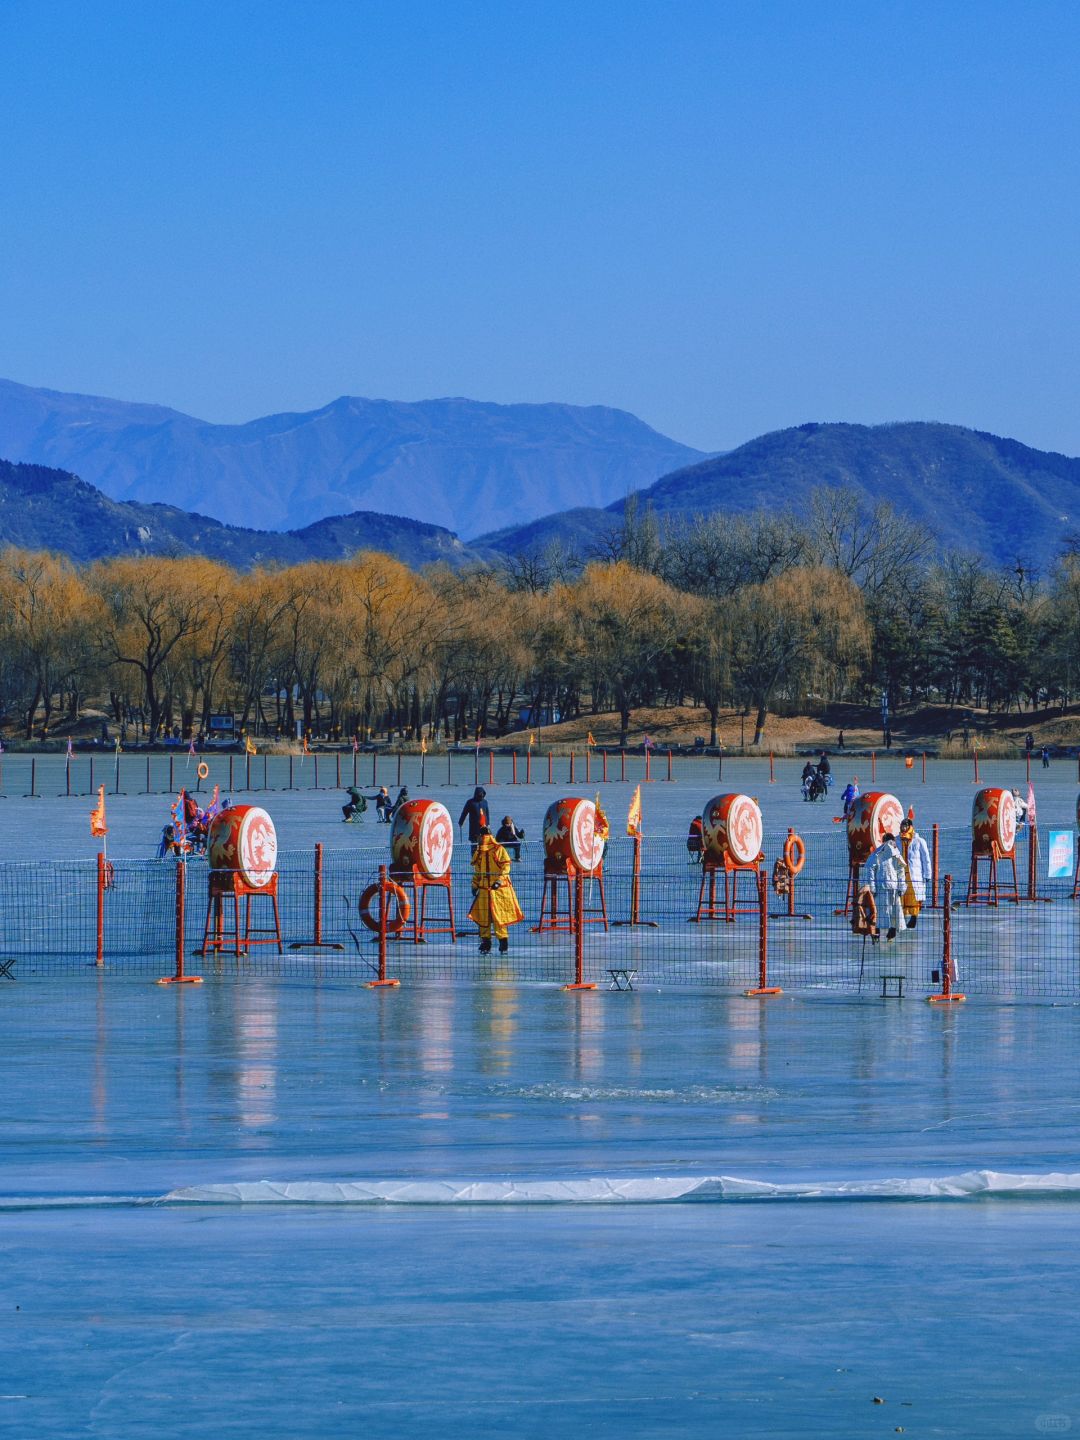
point(495, 904)
point(816, 779)
point(895, 878)
point(357, 803)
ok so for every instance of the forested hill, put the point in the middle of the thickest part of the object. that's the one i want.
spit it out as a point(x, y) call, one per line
point(45, 509)
point(456, 463)
point(975, 491)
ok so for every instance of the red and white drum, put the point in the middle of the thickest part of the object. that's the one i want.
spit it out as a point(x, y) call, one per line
point(571, 838)
point(876, 814)
point(422, 835)
point(993, 821)
point(243, 838)
point(732, 827)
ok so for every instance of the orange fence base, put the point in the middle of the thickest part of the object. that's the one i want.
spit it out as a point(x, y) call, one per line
point(180, 980)
point(953, 999)
point(381, 984)
point(767, 990)
point(579, 985)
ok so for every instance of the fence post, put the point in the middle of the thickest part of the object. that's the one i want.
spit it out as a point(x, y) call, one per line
point(934, 849)
point(247, 769)
point(924, 767)
point(374, 766)
point(179, 977)
point(232, 787)
point(264, 770)
point(354, 755)
point(148, 774)
point(551, 770)
point(648, 764)
point(763, 987)
point(32, 793)
point(873, 765)
point(384, 905)
point(491, 767)
point(603, 763)
point(99, 952)
point(975, 757)
point(622, 765)
point(315, 757)
point(513, 762)
point(579, 982)
point(337, 771)
point(772, 771)
point(398, 765)
point(171, 761)
point(588, 764)
point(670, 776)
point(290, 770)
point(948, 995)
point(1033, 861)
point(91, 790)
point(571, 767)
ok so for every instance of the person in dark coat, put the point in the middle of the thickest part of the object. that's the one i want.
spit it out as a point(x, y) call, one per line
point(476, 812)
point(510, 837)
point(356, 804)
point(402, 796)
point(383, 806)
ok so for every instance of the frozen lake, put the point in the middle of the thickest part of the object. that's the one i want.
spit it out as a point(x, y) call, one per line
point(287, 1205)
point(200, 1315)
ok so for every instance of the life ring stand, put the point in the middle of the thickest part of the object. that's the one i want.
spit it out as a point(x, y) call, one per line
point(401, 912)
point(203, 771)
point(794, 853)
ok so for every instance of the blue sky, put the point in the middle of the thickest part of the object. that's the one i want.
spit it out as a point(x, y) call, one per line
point(725, 217)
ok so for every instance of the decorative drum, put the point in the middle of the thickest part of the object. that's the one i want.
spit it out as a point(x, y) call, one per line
point(243, 838)
point(570, 836)
point(876, 814)
point(993, 820)
point(422, 836)
point(732, 829)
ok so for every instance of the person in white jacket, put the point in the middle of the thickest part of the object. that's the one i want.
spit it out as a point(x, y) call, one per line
point(887, 876)
point(916, 854)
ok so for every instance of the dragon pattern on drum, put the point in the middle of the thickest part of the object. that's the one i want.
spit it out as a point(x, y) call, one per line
point(993, 822)
point(572, 836)
point(875, 815)
point(243, 838)
point(422, 838)
point(732, 829)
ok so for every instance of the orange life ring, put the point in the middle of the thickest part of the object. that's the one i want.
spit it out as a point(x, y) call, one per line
point(402, 908)
point(203, 771)
point(794, 846)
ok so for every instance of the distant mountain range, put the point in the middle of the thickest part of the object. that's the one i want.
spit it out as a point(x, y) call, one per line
point(462, 464)
point(45, 509)
point(975, 491)
point(473, 462)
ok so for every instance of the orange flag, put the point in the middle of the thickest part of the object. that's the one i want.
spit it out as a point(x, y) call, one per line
point(532, 739)
point(307, 751)
point(97, 815)
point(589, 739)
point(633, 819)
point(423, 745)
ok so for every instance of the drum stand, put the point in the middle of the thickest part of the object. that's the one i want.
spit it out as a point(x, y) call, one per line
point(420, 884)
point(708, 908)
point(991, 892)
point(551, 917)
point(228, 884)
point(852, 894)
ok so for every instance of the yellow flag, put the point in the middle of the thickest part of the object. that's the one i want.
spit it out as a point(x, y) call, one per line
point(97, 815)
point(633, 819)
point(423, 745)
point(249, 748)
point(532, 739)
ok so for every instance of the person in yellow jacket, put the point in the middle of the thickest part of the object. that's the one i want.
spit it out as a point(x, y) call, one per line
point(495, 906)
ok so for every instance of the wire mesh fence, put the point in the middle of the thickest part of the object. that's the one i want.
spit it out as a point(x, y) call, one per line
point(659, 918)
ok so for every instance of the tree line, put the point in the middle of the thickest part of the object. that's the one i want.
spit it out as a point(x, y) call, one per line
point(759, 612)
